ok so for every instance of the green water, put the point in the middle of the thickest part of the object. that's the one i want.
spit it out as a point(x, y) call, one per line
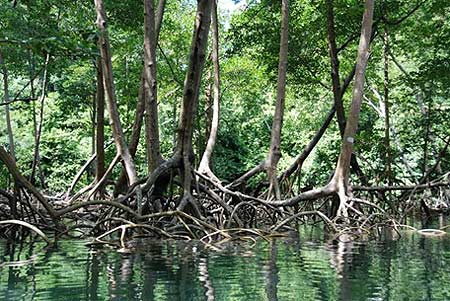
point(308, 267)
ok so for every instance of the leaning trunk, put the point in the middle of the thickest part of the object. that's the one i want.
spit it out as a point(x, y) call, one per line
point(205, 163)
point(7, 113)
point(342, 172)
point(387, 139)
point(108, 82)
point(38, 133)
point(338, 103)
point(154, 157)
point(100, 128)
point(190, 95)
point(274, 151)
point(137, 124)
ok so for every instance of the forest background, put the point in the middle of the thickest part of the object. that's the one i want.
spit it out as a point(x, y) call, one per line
point(50, 65)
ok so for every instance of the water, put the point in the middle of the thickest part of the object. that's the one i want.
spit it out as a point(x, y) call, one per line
point(306, 268)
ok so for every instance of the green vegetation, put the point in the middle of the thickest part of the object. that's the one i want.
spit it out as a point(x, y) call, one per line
point(360, 118)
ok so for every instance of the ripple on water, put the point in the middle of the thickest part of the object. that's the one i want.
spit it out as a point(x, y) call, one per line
point(412, 268)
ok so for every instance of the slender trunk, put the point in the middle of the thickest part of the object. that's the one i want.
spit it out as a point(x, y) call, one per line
point(338, 90)
point(387, 145)
point(192, 82)
point(137, 124)
point(274, 154)
point(275, 151)
point(18, 177)
point(154, 157)
point(38, 134)
point(108, 82)
point(159, 18)
point(309, 148)
point(138, 119)
point(339, 182)
point(121, 183)
point(205, 163)
point(426, 139)
point(190, 95)
point(338, 96)
point(7, 112)
point(93, 122)
point(208, 106)
point(100, 127)
point(33, 96)
point(12, 202)
point(341, 176)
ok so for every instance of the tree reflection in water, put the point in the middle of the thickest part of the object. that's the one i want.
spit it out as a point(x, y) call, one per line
point(311, 267)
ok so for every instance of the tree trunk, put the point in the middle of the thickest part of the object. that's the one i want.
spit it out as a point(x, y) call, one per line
point(121, 184)
point(274, 154)
point(7, 113)
point(100, 128)
point(108, 82)
point(387, 145)
point(19, 178)
point(154, 157)
point(309, 148)
point(190, 96)
point(275, 141)
point(159, 18)
point(33, 103)
point(338, 90)
point(341, 176)
point(208, 107)
point(205, 163)
point(137, 124)
point(336, 82)
point(38, 133)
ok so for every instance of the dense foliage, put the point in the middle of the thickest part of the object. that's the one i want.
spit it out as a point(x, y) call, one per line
point(419, 85)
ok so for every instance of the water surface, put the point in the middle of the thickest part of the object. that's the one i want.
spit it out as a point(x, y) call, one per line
point(308, 267)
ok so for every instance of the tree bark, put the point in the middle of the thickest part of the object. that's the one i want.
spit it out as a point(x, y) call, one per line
point(121, 184)
point(270, 163)
point(137, 124)
point(108, 82)
point(38, 132)
point(309, 148)
point(336, 82)
point(190, 96)
point(275, 141)
point(159, 18)
point(341, 176)
point(153, 151)
point(7, 112)
point(338, 90)
point(387, 139)
point(208, 106)
point(19, 178)
point(205, 163)
point(100, 128)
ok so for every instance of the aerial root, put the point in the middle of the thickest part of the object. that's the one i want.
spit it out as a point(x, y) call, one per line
point(29, 226)
point(219, 214)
